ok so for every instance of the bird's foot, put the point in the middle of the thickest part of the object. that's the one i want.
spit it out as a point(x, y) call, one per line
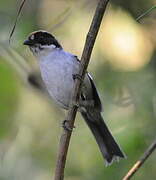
point(77, 76)
point(75, 104)
point(65, 125)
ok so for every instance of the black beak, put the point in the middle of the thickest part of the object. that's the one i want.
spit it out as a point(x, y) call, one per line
point(28, 42)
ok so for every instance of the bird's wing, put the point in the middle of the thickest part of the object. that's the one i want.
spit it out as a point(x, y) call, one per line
point(96, 98)
point(89, 91)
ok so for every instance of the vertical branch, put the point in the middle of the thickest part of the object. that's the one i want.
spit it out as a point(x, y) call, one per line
point(66, 135)
point(140, 162)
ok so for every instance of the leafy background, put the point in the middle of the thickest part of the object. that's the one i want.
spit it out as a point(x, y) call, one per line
point(123, 66)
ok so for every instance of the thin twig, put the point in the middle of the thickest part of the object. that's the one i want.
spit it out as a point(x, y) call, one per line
point(90, 40)
point(140, 162)
point(18, 15)
point(145, 13)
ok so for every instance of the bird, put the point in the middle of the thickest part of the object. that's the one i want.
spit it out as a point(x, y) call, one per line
point(58, 70)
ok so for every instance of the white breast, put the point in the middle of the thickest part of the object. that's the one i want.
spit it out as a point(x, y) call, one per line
point(56, 70)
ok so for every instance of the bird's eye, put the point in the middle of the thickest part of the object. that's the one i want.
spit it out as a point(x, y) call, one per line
point(41, 38)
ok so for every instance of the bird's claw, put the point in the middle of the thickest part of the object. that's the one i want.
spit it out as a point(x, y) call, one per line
point(66, 127)
point(75, 104)
point(77, 76)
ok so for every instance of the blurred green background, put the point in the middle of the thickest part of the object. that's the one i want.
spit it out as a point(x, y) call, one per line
point(123, 65)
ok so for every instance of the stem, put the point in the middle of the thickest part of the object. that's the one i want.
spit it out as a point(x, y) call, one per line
point(66, 135)
point(145, 13)
point(16, 20)
point(140, 162)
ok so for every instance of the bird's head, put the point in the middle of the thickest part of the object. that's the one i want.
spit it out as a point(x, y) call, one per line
point(42, 42)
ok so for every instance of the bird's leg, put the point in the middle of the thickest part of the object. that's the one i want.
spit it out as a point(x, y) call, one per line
point(66, 127)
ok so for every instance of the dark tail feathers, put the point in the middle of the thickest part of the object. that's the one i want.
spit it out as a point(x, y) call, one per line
point(108, 147)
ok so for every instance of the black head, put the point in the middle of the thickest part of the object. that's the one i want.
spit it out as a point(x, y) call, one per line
point(41, 38)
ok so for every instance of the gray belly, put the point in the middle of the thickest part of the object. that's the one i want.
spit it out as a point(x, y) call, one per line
point(59, 83)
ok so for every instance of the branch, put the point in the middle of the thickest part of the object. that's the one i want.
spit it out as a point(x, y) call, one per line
point(16, 20)
point(145, 13)
point(140, 162)
point(66, 135)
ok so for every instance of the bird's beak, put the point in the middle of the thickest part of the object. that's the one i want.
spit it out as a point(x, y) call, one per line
point(28, 42)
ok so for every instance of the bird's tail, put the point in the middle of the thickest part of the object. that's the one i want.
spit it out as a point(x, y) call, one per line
point(107, 144)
